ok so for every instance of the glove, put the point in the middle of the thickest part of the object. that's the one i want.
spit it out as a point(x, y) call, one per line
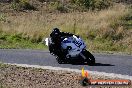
point(77, 36)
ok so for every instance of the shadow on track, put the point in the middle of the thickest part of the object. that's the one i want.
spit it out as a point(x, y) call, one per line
point(100, 64)
point(96, 64)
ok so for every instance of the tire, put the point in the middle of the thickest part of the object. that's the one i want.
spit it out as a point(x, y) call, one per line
point(51, 48)
point(59, 60)
point(89, 57)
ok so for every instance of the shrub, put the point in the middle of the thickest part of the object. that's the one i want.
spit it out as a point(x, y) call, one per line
point(47, 1)
point(25, 5)
point(22, 5)
point(61, 8)
point(15, 5)
point(93, 4)
point(102, 4)
point(58, 6)
point(42, 1)
point(2, 17)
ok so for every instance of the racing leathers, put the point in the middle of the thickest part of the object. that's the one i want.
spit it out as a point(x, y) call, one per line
point(56, 40)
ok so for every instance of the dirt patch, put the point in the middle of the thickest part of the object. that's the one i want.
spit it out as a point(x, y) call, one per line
point(19, 77)
point(12, 76)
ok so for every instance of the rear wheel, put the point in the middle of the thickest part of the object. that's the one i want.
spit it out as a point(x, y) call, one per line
point(89, 57)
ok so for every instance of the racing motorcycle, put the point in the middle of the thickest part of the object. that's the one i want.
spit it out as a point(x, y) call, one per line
point(76, 50)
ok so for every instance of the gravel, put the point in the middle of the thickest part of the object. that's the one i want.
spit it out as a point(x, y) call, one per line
point(12, 76)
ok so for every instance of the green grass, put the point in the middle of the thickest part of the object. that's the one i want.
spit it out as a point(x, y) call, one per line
point(101, 45)
point(17, 42)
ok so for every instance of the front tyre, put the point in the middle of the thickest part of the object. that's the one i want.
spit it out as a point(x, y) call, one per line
point(90, 59)
point(51, 49)
point(60, 60)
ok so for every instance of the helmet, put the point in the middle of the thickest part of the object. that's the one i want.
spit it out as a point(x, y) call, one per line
point(56, 31)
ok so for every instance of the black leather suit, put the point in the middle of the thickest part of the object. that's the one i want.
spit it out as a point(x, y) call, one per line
point(56, 39)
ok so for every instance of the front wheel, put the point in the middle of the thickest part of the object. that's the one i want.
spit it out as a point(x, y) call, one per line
point(90, 59)
point(59, 60)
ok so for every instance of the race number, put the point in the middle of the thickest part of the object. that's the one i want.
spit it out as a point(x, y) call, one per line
point(77, 43)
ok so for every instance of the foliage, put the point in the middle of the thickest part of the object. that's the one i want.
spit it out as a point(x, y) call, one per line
point(58, 6)
point(2, 17)
point(93, 4)
point(22, 5)
point(127, 20)
point(48, 0)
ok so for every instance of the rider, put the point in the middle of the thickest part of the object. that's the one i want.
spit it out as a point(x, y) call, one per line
point(56, 39)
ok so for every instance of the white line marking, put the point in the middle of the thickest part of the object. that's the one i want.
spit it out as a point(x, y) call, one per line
point(112, 75)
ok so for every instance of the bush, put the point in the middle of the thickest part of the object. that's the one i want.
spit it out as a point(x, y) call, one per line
point(102, 4)
point(61, 8)
point(42, 1)
point(93, 4)
point(2, 17)
point(22, 5)
point(48, 0)
point(15, 5)
point(58, 6)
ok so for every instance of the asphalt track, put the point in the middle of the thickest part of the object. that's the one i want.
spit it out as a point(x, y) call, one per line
point(119, 64)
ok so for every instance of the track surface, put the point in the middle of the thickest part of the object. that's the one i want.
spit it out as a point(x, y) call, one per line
point(119, 64)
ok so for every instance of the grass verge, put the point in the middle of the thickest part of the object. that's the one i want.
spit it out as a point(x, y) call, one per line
point(17, 42)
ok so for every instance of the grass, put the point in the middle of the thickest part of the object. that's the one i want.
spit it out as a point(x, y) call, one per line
point(104, 30)
point(17, 42)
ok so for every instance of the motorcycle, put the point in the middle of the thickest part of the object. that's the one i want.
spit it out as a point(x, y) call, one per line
point(76, 50)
